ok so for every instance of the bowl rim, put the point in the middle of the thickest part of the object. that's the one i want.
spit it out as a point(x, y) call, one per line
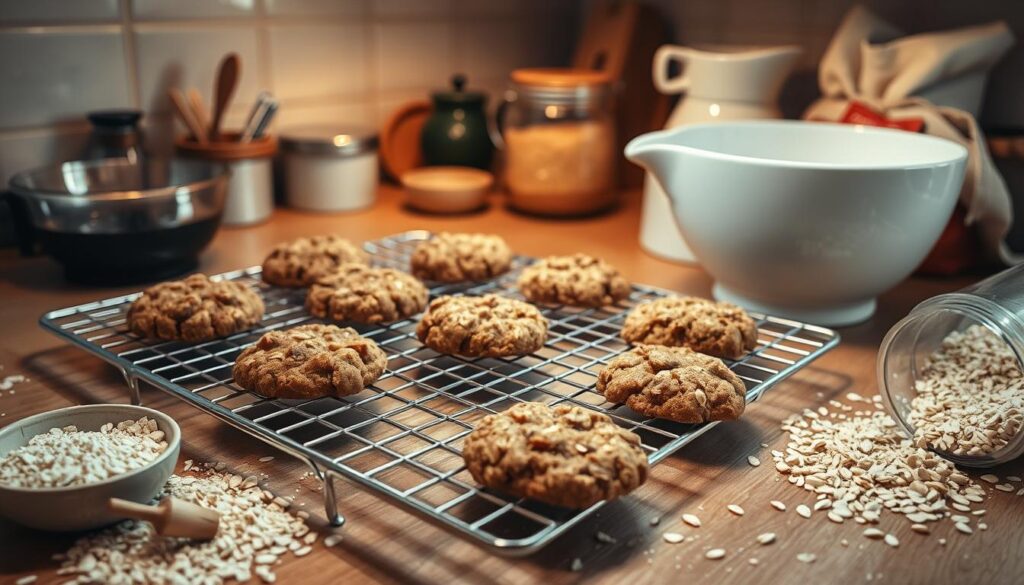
point(477, 180)
point(18, 187)
point(961, 153)
point(154, 414)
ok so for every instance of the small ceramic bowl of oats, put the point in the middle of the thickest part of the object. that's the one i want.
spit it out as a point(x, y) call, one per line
point(59, 469)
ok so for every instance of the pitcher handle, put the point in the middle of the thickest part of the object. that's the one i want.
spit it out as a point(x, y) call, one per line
point(663, 57)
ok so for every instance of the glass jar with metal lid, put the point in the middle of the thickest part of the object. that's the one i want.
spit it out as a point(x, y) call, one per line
point(951, 372)
point(558, 130)
point(329, 169)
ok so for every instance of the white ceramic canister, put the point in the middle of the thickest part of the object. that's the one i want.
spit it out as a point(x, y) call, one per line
point(250, 198)
point(327, 169)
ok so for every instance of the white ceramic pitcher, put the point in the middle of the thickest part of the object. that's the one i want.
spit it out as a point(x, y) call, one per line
point(719, 83)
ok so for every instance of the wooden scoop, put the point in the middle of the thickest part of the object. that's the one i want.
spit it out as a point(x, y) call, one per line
point(171, 517)
point(224, 89)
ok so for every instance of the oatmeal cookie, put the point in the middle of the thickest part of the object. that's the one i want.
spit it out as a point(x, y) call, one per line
point(310, 361)
point(578, 280)
point(565, 456)
point(674, 383)
point(460, 257)
point(300, 262)
point(195, 309)
point(719, 329)
point(488, 326)
point(355, 292)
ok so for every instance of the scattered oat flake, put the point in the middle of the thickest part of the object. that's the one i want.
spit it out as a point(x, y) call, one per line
point(715, 554)
point(576, 566)
point(854, 397)
point(1015, 478)
point(766, 538)
point(266, 459)
point(655, 520)
point(803, 511)
point(982, 526)
point(673, 537)
point(891, 540)
point(26, 580)
point(1004, 487)
point(962, 527)
point(605, 538)
point(735, 509)
point(753, 561)
point(873, 533)
point(844, 542)
point(806, 557)
point(332, 539)
point(692, 520)
point(990, 478)
point(753, 461)
point(920, 528)
point(778, 505)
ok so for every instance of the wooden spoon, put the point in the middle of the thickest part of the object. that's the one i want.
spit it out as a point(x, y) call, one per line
point(199, 110)
point(172, 517)
point(227, 81)
point(187, 115)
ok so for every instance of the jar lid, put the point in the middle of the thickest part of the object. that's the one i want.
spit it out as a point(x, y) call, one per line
point(560, 77)
point(326, 141)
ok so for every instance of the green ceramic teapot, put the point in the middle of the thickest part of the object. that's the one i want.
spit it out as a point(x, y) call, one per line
point(456, 133)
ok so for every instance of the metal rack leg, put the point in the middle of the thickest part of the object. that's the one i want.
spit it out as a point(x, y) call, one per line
point(331, 502)
point(133, 387)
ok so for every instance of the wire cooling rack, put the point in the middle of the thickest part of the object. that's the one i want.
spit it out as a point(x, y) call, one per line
point(402, 437)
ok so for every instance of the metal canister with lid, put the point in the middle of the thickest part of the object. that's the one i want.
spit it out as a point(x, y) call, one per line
point(329, 169)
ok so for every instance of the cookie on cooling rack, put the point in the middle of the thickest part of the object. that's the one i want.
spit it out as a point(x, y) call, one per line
point(565, 456)
point(673, 383)
point(310, 361)
point(718, 329)
point(195, 309)
point(448, 257)
point(300, 262)
point(485, 326)
point(355, 292)
point(579, 280)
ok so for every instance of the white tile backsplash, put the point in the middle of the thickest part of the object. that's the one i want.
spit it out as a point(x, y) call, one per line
point(50, 77)
point(405, 8)
point(413, 55)
point(58, 11)
point(316, 7)
point(188, 57)
point(20, 151)
point(311, 61)
point(191, 9)
point(339, 115)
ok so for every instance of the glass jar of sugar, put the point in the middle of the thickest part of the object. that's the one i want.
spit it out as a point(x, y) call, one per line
point(558, 131)
point(951, 372)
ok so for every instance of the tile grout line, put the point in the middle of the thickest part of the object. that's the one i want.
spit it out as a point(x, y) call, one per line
point(131, 60)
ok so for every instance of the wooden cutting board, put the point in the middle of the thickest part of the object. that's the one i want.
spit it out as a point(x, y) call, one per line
point(620, 38)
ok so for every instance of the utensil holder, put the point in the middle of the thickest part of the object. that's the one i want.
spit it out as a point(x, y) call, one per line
point(250, 198)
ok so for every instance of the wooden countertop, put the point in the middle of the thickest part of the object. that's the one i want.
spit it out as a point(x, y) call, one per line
point(385, 544)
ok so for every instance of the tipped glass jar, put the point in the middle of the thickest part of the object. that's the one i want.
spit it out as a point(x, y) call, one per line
point(951, 374)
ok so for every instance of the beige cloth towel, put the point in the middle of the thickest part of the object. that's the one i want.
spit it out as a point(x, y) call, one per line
point(867, 61)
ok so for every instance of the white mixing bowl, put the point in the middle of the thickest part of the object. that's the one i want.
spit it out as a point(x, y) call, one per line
point(805, 220)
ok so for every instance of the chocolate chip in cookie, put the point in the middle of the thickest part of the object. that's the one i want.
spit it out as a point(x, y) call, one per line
point(355, 292)
point(673, 383)
point(310, 361)
point(565, 456)
point(488, 325)
point(719, 329)
point(195, 309)
point(448, 257)
point(300, 262)
point(578, 280)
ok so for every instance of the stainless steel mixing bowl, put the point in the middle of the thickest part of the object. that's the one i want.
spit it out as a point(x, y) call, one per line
point(113, 221)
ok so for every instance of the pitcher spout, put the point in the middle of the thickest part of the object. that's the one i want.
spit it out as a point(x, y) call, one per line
point(651, 152)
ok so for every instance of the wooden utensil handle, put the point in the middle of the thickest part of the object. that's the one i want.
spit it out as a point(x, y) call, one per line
point(136, 510)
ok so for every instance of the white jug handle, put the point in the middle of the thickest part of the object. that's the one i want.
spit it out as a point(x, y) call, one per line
point(663, 57)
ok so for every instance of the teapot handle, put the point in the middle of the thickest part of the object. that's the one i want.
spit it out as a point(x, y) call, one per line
point(663, 57)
